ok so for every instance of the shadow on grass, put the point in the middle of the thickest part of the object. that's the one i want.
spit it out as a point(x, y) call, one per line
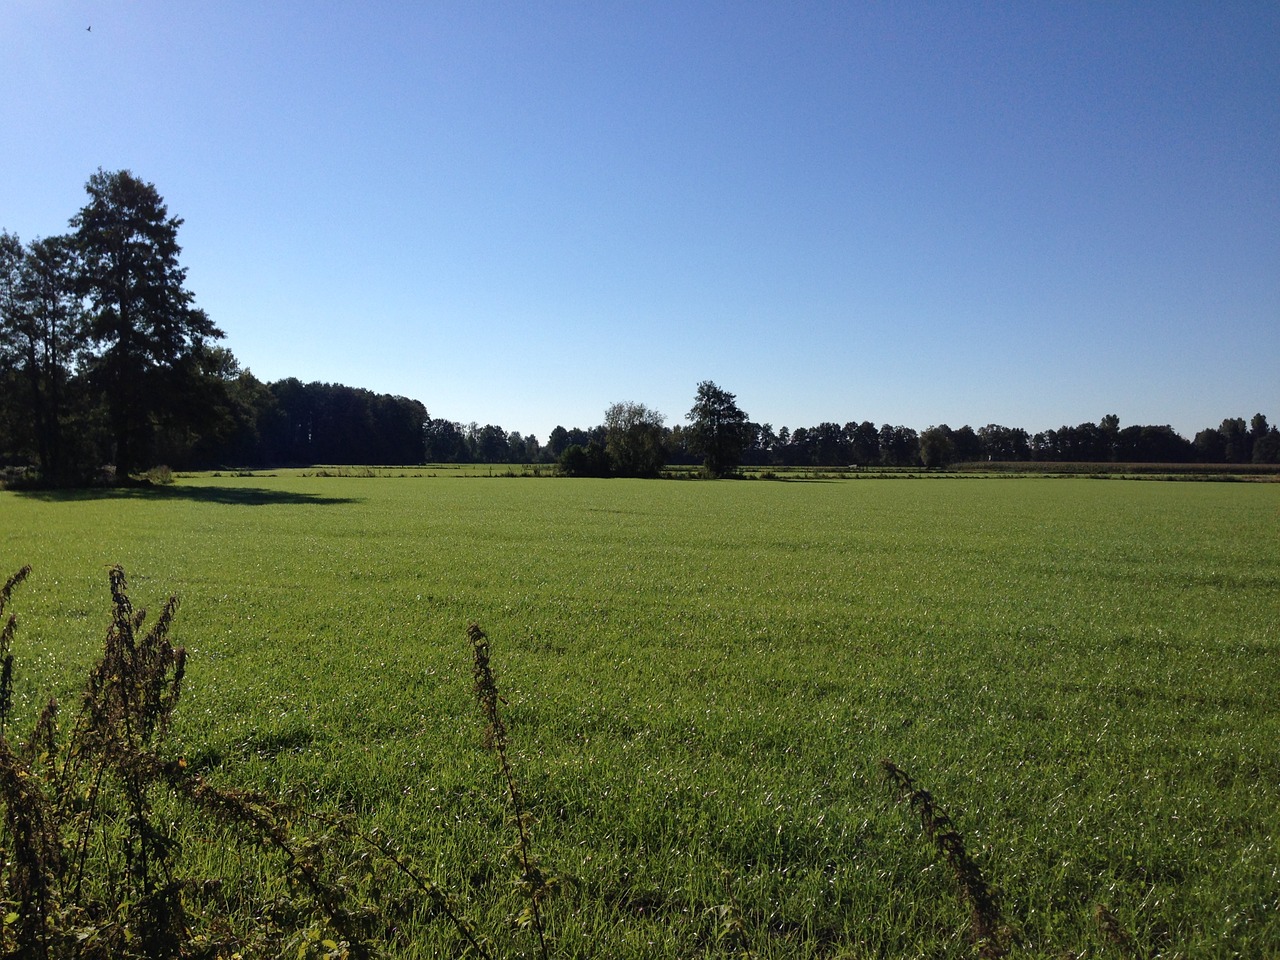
point(236, 496)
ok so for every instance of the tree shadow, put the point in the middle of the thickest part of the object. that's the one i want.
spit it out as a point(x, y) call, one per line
point(233, 496)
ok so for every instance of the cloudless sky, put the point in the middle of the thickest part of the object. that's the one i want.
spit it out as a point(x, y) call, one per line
point(1032, 214)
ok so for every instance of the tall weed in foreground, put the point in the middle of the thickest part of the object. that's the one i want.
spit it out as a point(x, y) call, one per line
point(986, 925)
point(533, 883)
point(90, 850)
point(85, 860)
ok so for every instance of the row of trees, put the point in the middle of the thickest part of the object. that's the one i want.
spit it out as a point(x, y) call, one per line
point(105, 359)
point(866, 445)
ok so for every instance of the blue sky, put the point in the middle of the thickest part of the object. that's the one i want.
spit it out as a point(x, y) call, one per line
point(1031, 214)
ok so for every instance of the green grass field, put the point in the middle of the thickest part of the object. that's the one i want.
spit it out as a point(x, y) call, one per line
point(702, 679)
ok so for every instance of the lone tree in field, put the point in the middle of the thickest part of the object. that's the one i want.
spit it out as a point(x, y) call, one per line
point(141, 317)
point(718, 429)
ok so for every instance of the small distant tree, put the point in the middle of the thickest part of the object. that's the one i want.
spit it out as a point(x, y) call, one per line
point(517, 451)
point(558, 442)
point(1152, 444)
point(1266, 440)
point(864, 442)
point(634, 439)
point(1010, 443)
point(899, 446)
point(718, 429)
point(762, 442)
point(532, 448)
point(445, 442)
point(1266, 449)
point(491, 444)
point(967, 444)
point(830, 446)
point(1109, 429)
point(1209, 447)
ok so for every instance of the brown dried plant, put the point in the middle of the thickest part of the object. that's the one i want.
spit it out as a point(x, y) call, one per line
point(535, 884)
point(1112, 930)
point(986, 926)
point(89, 870)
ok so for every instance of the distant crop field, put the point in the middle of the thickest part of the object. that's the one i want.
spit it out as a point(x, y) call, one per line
point(701, 681)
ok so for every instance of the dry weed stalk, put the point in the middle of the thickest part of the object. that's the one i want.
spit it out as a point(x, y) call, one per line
point(32, 858)
point(269, 819)
point(535, 884)
point(88, 870)
point(986, 926)
point(6, 643)
point(1112, 930)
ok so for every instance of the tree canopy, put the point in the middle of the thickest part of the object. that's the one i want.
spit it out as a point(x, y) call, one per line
point(139, 314)
point(634, 439)
point(718, 429)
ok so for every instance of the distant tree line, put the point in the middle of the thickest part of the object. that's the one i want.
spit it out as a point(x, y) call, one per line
point(107, 367)
point(594, 451)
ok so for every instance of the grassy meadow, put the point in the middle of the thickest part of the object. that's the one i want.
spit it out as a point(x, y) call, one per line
point(701, 681)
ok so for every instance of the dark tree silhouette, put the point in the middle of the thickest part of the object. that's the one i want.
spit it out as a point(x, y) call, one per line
point(141, 316)
point(718, 428)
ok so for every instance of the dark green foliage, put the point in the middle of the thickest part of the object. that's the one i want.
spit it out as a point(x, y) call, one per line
point(41, 329)
point(140, 316)
point(588, 461)
point(937, 446)
point(489, 444)
point(634, 440)
point(718, 429)
point(899, 446)
point(331, 423)
point(445, 442)
point(106, 361)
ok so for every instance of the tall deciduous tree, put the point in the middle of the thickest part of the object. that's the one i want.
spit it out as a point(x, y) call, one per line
point(718, 428)
point(141, 316)
point(634, 440)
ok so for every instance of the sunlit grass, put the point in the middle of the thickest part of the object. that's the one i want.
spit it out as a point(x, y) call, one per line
point(702, 678)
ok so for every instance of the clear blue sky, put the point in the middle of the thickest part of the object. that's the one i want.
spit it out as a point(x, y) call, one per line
point(1023, 213)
